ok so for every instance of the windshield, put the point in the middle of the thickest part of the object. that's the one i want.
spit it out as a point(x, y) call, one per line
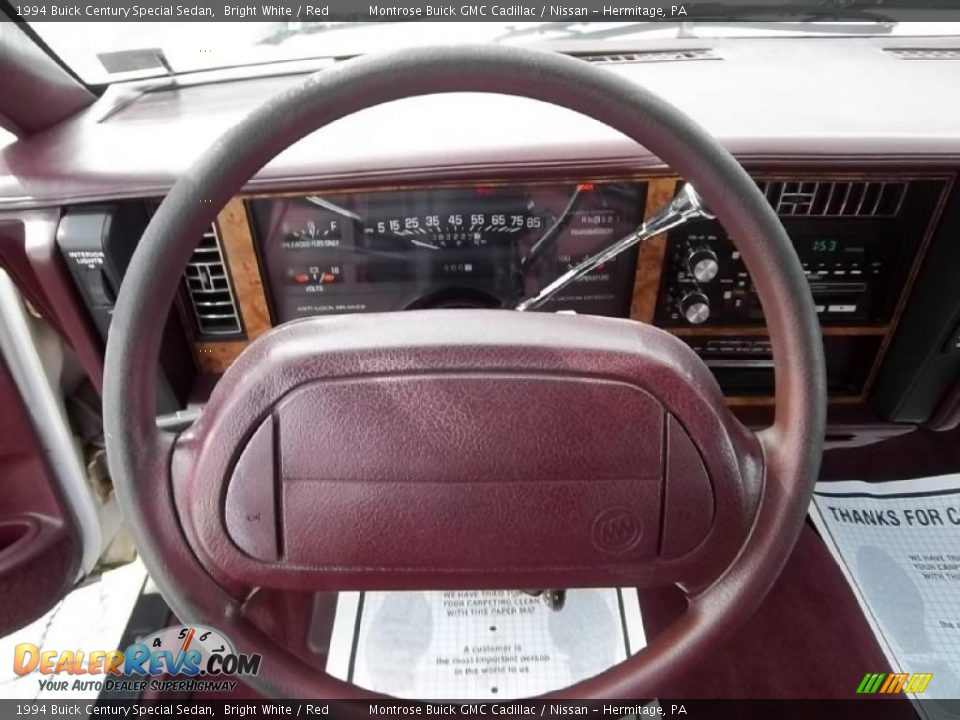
point(105, 52)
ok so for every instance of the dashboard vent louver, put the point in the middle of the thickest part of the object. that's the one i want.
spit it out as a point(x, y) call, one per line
point(835, 198)
point(651, 56)
point(925, 53)
point(208, 286)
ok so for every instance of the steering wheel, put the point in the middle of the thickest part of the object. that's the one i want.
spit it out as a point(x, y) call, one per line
point(464, 449)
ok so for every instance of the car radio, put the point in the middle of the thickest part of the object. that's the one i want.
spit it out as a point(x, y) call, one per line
point(856, 260)
point(705, 279)
point(859, 241)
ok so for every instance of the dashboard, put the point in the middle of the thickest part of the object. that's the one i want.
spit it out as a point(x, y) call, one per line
point(402, 208)
point(272, 258)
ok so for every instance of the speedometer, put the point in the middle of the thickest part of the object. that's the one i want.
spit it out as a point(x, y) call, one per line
point(456, 230)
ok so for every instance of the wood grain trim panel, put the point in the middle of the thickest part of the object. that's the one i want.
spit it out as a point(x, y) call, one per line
point(646, 282)
point(243, 267)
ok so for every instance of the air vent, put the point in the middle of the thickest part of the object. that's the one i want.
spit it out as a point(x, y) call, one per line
point(839, 198)
point(211, 296)
point(925, 53)
point(651, 56)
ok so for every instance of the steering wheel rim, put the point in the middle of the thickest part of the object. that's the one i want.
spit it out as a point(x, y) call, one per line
point(141, 457)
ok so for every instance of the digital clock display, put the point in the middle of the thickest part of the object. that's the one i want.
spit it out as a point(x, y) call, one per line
point(825, 246)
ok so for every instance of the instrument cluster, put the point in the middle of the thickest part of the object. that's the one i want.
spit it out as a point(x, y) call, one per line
point(470, 246)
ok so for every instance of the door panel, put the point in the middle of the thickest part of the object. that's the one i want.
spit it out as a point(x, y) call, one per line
point(39, 547)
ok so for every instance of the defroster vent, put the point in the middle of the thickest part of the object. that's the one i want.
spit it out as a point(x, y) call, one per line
point(645, 56)
point(208, 287)
point(928, 53)
point(835, 198)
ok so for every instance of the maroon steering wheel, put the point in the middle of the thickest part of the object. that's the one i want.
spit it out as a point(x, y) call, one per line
point(465, 448)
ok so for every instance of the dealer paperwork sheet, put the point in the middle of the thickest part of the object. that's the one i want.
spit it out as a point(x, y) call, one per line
point(899, 545)
point(480, 645)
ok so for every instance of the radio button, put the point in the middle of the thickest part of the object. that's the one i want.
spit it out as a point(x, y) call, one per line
point(702, 265)
point(695, 308)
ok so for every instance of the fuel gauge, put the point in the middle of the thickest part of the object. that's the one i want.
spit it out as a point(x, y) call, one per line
point(313, 234)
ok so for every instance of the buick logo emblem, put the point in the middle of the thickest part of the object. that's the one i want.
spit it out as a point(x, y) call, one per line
point(616, 530)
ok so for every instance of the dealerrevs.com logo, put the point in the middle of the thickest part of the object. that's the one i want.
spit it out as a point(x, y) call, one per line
point(188, 658)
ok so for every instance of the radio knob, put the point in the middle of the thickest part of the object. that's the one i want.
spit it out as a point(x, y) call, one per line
point(702, 264)
point(695, 307)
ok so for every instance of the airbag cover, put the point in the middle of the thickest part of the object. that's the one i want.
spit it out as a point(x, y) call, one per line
point(399, 470)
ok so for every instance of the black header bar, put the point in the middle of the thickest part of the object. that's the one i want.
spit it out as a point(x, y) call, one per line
point(320, 11)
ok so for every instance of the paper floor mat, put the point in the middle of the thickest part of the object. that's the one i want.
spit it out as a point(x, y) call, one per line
point(480, 644)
